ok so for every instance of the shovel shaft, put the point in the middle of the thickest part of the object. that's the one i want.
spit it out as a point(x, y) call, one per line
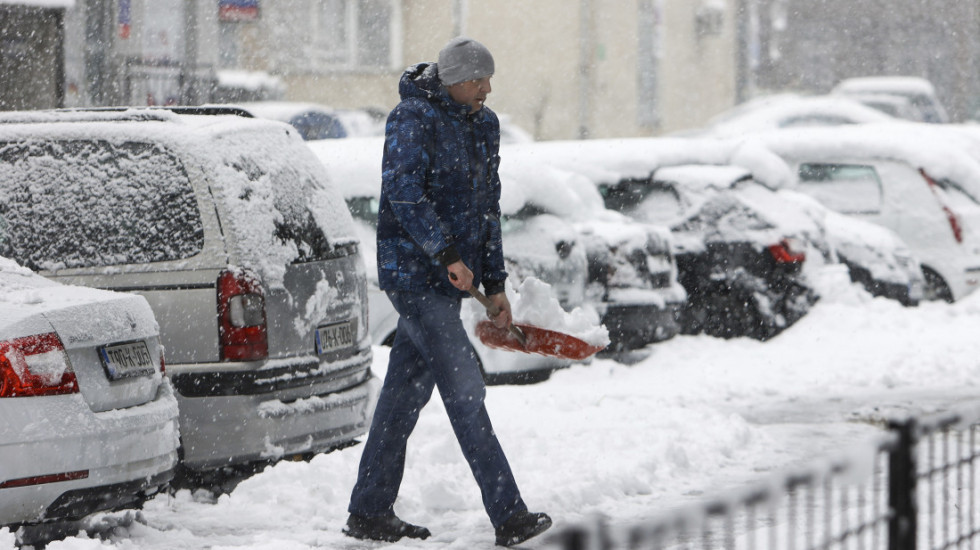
point(495, 311)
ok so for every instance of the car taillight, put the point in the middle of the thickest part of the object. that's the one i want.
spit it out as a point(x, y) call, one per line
point(951, 217)
point(787, 251)
point(242, 331)
point(35, 365)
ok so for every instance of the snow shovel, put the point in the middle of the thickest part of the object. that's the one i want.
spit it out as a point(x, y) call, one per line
point(529, 338)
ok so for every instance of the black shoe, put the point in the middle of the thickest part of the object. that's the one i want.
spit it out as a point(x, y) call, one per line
point(520, 527)
point(384, 528)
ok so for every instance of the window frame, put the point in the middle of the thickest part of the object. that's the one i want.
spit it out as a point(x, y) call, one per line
point(346, 58)
point(811, 183)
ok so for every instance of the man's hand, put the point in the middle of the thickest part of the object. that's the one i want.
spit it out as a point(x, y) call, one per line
point(460, 276)
point(503, 319)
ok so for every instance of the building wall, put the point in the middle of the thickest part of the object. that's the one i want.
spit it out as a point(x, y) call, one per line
point(810, 46)
point(699, 65)
point(31, 57)
point(565, 68)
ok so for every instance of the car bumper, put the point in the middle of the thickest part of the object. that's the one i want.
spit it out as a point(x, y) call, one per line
point(228, 430)
point(634, 326)
point(71, 464)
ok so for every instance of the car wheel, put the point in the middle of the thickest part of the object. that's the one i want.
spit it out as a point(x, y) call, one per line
point(935, 287)
point(745, 305)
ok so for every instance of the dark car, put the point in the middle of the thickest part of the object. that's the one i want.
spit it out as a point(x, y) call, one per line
point(742, 249)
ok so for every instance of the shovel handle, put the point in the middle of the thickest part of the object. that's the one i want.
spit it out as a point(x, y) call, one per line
point(494, 311)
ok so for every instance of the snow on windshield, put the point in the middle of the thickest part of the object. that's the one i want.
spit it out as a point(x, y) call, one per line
point(282, 205)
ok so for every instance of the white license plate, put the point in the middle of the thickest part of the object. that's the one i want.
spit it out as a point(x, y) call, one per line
point(126, 359)
point(334, 336)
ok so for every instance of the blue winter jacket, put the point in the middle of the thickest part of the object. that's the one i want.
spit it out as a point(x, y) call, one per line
point(440, 190)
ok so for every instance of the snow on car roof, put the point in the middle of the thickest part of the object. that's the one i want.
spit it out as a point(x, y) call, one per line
point(281, 110)
point(791, 110)
point(903, 85)
point(942, 153)
point(699, 176)
point(612, 160)
point(224, 143)
point(42, 3)
point(353, 164)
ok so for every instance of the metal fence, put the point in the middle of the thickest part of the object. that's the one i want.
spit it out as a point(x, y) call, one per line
point(913, 487)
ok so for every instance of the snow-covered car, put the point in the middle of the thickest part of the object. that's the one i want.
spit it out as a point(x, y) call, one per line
point(230, 230)
point(789, 111)
point(917, 96)
point(535, 245)
point(632, 280)
point(742, 247)
point(919, 180)
point(738, 259)
point(314, 121)
point(89, 418)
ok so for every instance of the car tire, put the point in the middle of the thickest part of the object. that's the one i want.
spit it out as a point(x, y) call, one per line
point(745, 306)
point(935, 287)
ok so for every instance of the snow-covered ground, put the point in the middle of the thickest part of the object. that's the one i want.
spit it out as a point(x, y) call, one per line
point(696, 416)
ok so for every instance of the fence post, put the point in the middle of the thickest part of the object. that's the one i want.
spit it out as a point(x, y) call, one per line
point(902, 478)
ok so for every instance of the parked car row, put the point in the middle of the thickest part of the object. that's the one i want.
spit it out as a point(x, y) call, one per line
point(190, 294)
point(230, 251)
point(745, 253)
point(590, 256)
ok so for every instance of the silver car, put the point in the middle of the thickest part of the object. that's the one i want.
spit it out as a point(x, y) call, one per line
point(227, 227)
point(89, 419)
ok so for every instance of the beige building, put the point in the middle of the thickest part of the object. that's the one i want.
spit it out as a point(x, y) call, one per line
point(565, 68)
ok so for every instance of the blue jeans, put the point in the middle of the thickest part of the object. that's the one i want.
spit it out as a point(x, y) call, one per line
point(431, 348)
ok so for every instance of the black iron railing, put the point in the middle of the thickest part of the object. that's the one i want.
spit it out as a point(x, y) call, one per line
point(914, 487)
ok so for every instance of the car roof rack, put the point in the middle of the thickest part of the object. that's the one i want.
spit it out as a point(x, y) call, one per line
point(119, 113)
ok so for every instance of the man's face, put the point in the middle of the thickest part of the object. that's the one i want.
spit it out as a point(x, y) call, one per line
point(471, 92)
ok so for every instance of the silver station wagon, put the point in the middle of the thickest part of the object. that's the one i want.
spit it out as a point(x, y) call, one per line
point(246, 254)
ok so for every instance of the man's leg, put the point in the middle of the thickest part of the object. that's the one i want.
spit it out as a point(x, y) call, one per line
point(434, 326)
point(407, 388)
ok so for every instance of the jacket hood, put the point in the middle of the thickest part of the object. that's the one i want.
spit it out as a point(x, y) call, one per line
point(422, 81)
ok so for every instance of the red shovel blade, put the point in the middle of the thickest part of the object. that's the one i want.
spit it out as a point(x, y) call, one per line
point(539, 340)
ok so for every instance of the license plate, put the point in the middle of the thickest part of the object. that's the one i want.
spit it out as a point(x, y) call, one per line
point(334, 336)
point(126, 360)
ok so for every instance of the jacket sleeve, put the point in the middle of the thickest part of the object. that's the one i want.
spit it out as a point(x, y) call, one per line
point(494, 272)
point(406, 164)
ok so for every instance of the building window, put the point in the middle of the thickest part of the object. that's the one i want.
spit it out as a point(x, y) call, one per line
point(355, 34)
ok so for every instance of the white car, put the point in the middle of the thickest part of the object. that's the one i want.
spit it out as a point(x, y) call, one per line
point(918, 96)
point(789, 111)
point(89, 419)
point(918, 180)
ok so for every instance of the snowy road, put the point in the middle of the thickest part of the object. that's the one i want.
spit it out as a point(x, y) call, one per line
point(697, 416)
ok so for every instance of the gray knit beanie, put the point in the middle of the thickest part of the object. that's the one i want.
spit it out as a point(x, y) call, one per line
point(464, 59)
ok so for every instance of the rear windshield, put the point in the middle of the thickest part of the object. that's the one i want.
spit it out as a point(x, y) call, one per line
point(87, 203)
point(292, 193)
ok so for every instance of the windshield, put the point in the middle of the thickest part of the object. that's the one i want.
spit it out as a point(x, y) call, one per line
point(365, 209)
